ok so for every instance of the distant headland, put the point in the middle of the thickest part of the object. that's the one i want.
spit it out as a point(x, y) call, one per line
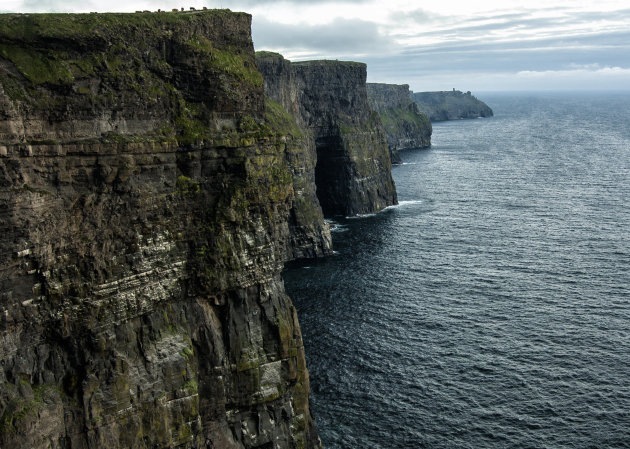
point(451, 105)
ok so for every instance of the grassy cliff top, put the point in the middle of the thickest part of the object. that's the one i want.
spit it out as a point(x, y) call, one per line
point(388, 86)
point(29, 27)
point(268, 54)
point(316, 62)
point(60, 48)
point(329, 62)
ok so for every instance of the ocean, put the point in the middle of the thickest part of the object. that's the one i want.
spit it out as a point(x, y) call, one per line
point(491, 307)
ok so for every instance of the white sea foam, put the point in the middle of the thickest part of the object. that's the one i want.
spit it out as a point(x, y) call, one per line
point(354, 217)
point(394, 206)
point(403, 204)
point(409, 202)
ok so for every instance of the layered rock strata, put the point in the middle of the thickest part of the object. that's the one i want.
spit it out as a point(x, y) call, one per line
point(451, 105)
point(145, 199)
point(405, 126)
point(329, 100)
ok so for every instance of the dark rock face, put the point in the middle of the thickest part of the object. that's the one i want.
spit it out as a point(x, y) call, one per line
point(451, 105)
point(405, 126)
point(145, 199)
point(309, 233)
point(329, 101)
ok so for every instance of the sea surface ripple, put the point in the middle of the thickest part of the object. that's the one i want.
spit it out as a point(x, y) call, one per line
point(491, 308)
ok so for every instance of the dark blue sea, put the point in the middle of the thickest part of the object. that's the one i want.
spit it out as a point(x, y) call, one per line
point(491, 308)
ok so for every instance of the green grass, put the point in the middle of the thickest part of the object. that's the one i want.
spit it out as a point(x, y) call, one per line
point(29, 27)
point(330, 62)
point(187, 186)
point(268, 54)
point(393, 117)
point(279, 120)
point(38, 66)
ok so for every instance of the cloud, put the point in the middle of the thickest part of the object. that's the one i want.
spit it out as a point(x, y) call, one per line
point(602, 78)
point(56, 5)
point(335, 39)
point(416, 16)
point(592, 66)
point(82, 6)
point(547, 53)
point(588, 69)
point(526, 25)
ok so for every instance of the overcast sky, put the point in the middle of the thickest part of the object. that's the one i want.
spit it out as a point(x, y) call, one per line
point(480, 45)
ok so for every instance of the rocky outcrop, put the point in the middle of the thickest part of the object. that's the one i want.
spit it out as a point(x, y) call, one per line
point(405, 126)
point(329, 101)
point(145, 199)
point(309, 233)
point(451, 105)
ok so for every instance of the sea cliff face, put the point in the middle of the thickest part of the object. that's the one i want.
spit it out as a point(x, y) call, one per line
point(451, 105)
point(405, 126)
point(329, 101)
point(146, 196)
point(309, 234)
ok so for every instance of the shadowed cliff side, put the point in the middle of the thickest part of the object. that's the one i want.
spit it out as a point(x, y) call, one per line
point(309, 233)
point(329, 100)
point(145, 194)
point(405, 126)
point(450, 105)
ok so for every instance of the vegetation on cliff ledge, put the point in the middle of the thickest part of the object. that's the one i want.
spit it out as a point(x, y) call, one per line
point(330, 62)
point(394, 117)
point(279, 120)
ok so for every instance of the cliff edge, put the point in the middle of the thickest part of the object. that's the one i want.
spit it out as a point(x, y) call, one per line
point(405, 126)
point(146, 190)
point(451, 105)
point(328, 99)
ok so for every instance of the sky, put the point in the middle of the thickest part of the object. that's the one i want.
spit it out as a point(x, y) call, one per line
point(482, 45)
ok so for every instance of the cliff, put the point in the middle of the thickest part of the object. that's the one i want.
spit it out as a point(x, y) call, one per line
point(328, 99)
point(146, 199)
point(308, 232)
point(405, 126)
point(451, 105)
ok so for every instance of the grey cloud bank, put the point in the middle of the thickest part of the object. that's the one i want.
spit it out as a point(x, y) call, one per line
point(339, 37)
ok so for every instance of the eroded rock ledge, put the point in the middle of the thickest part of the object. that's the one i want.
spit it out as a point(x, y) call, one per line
point(146, 196)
